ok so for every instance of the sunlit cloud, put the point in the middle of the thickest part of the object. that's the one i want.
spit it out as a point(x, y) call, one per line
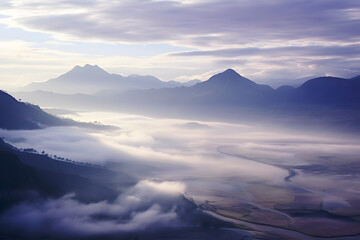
point(265, 41)
point(192, 22)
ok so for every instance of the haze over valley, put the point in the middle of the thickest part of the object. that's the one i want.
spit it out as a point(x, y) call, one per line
point(184, 119)
point(259, 171)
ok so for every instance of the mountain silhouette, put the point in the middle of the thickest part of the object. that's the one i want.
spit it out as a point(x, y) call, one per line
point(25, 189)
point(228, 96)
point(23, 173)
point(86, 74)
point(227, 90)
point(230, 78)
point(230, 88)
point(19, 115)
point(223, 90)
point(19, 182)
point(330, 91)
point(16, 115)
point(14, 174)
point(356, 78)
point(91, 79)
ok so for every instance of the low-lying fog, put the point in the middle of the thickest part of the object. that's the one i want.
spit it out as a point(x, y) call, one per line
point(206, 156)
point(219, 163)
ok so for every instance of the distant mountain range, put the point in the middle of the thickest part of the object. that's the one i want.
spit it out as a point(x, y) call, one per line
point(91, 79)
point(225, 96)
point(229, 95)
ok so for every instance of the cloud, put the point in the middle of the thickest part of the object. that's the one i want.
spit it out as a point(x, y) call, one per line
point(274, 52)
point(73, 143)
point(271, 64)
point(149, 205)
point(192, 125)
point(254, 37)
point(170, 149)
point(218, 163)
point(200, 23)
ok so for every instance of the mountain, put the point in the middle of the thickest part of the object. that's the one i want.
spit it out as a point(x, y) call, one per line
point(276, 83)
point(222, 92)
point(91, 79)
point(225, 89)
point(222, 95)
point(230, 88)
point(16, 115)
point(19, 115)
point(356, 78)
point(24, 173)
point(19, 182)
point(328, 91)
point(189, 83)
point(44, 191)
point(14, 174)
point(228, 96)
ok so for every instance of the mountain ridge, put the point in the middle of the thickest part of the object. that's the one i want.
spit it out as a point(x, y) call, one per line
point(224, 96)
point(91, 79)
point(17, 115)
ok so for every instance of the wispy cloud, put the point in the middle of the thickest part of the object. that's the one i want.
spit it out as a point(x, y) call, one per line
point(199, 23)
point(203, 23)
point(312, 37)
point(279, 52)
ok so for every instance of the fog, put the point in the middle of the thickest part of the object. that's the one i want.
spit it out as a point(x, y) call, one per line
point(147, 205)
point(219, 163)
point(181, 149)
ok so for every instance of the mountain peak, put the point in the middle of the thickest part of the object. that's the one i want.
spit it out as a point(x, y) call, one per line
point(230, 71)
point(230, 77)
point(88, 72)
point(230, 74)
point(320, 81)
point(88, 67)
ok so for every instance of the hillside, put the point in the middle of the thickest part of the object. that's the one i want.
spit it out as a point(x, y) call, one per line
point(19, 115)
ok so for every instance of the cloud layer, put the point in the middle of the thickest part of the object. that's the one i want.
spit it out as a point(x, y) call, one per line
point(199, 23)
point(148, 205)
point(204, 155)
point(265, 41)
point(218, 162)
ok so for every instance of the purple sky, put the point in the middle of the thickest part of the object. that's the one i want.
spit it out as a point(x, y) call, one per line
point(264, 40)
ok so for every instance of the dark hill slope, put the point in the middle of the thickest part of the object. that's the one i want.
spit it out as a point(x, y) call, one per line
point(19, 182)
point(19, 115)
point(15, 115)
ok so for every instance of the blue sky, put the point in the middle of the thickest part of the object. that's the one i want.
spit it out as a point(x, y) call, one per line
point(264, 40)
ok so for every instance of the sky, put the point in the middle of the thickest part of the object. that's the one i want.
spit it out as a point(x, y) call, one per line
point(266, 41)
